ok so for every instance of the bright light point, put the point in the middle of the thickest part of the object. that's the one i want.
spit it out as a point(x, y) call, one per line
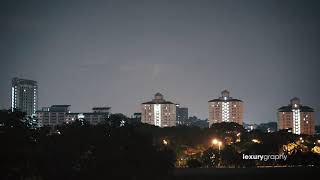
point(215, 141)
point(256, 141)
point(122, 123)
point(165, 142)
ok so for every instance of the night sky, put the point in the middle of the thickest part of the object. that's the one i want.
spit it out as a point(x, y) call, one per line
point(120, 53)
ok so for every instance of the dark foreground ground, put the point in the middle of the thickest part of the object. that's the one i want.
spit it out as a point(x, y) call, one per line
point(246, 173)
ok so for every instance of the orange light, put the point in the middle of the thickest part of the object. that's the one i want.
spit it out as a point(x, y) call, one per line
point(165, 142)
point(256, 141)
point(215, 141)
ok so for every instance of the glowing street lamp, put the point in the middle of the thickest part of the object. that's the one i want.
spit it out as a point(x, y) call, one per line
point(256, 141)
point(301, 140)
point(165, 142)
point(238, 137)
point(217, 142)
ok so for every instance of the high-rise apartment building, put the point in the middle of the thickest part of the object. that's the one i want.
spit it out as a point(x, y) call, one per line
point(24, 96)
point(159, 112)
point(296, 117)
point(225, 109)
point(182, 115)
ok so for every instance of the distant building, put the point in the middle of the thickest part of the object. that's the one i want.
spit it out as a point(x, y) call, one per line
point(135, 118)
point(53, 116)
point(101, 110)
point(159, 112)
point(295, 116)
point(225, 109)
point(182, 115)
point(249, 127)
point(269, 127)
point(98, 115)
point(137, 115)
point(24, 96)
point(196, 122)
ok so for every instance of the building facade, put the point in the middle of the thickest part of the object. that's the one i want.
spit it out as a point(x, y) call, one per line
point(24, 96)
point(182, 115)
point(98, 115)
point(135, 118)
point(53, 116)
point(300, 119)
point(159, 112)
point(225, 109)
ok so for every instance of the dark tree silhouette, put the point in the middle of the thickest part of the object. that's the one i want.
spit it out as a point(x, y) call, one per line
point(210, 158)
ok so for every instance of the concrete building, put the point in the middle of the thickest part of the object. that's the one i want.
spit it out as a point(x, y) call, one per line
point(182, 115)
point(225, 109)
point(24, 96)
point(300, 119)
point(98, 115)
point(159, 112)
point(137, 115)
point(135, 118)
point(53, 116)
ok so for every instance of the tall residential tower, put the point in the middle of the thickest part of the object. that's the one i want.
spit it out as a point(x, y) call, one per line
point(159, 112)
point(182, 115)
point(24, 96)
point(225, 109)
point(300, 119)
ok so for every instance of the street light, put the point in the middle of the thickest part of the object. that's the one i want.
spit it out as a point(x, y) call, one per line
point(217, 142)
point(301, 140)
point(256, 141)
point(165, 142)
point(238, 137)
point(214, 141)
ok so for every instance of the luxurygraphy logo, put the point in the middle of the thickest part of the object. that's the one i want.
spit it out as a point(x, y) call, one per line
point(264, 157)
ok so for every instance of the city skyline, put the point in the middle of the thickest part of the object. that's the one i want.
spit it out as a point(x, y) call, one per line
point(120, 53)
point(162, 113)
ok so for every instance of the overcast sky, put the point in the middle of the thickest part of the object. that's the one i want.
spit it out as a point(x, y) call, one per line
point(120, 53)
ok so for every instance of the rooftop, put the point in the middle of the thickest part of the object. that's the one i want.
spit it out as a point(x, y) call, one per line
point(225, 97)
point(158, 99)
point(290, 107)
point(222, 100)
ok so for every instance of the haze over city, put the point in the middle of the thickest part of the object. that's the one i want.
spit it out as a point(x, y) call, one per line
point(120, 53)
